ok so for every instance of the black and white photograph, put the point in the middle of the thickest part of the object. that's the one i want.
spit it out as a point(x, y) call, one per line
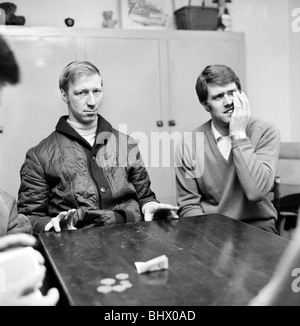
point(149, 155)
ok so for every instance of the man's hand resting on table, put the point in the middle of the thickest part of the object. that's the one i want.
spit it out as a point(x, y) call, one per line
point(62, 220)
point(155, 210)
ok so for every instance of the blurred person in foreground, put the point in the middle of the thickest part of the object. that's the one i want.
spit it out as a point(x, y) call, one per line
point(15, 229)
point(284, 286)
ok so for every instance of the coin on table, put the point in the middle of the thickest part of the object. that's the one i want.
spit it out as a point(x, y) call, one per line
point(108, 281)
point(126, 283)
point(104, 289)
point(119, 288)
point(122, 276)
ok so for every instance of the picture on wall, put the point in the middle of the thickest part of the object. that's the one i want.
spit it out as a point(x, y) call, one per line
point(146, 13)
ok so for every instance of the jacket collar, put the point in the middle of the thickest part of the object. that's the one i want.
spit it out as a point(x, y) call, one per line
point(103, 129)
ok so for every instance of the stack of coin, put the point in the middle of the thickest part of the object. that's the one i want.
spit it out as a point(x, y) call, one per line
point(118, 284)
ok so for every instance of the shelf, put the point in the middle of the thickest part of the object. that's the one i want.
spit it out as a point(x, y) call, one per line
point(96, 32)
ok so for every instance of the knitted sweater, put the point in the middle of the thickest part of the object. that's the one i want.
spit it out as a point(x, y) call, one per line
point(207, 183)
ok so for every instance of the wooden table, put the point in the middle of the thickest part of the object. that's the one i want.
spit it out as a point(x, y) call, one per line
point(213, 260)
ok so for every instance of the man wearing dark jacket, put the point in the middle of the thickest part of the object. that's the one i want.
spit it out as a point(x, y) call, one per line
point(85, 173)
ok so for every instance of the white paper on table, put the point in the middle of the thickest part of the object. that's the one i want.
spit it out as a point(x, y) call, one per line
point(155, 264)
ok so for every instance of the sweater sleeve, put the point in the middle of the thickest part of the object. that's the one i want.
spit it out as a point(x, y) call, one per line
point(12, 222)
point(256, 166)
point(33, 198)
point(188, 166)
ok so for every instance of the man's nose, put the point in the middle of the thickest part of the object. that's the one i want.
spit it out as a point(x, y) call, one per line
point(91, 99)
point(228, 99)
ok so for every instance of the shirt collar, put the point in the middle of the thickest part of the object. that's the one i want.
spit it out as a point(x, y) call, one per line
point(216, 133)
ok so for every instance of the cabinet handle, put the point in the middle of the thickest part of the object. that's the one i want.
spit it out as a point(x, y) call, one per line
point(159, 123)
point(172, 123)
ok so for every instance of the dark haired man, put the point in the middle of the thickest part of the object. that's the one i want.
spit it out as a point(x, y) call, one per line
point(236, 160)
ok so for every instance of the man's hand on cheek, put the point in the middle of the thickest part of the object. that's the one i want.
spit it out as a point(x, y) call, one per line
point(240, 116)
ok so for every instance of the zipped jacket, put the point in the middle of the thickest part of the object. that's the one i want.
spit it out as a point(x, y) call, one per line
point(106, 183)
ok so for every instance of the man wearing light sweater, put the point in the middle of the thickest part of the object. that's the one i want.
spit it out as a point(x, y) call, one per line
point(228, 164)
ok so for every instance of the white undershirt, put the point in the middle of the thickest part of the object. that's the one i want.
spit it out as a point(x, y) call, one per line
point(88, 132)
point(223, 142)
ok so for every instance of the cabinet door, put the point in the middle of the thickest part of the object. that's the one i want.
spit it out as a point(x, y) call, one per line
point(30, 110)
point(130, 68)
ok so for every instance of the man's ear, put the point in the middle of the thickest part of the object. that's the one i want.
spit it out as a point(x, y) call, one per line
point(206, 106)
point(64, 96)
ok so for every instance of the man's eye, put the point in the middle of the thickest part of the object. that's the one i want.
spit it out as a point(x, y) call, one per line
point(81, 93)
point(219, 97)
point(97, 91)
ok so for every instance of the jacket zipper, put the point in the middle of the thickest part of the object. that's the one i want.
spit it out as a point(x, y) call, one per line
point(93, 179)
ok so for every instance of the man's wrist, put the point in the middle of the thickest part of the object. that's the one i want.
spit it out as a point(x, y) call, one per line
point(146, 205)
point(237, 136)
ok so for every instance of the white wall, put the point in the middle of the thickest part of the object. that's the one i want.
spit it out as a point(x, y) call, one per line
point(266, 27)
point(86, 13)
point(295, 73)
